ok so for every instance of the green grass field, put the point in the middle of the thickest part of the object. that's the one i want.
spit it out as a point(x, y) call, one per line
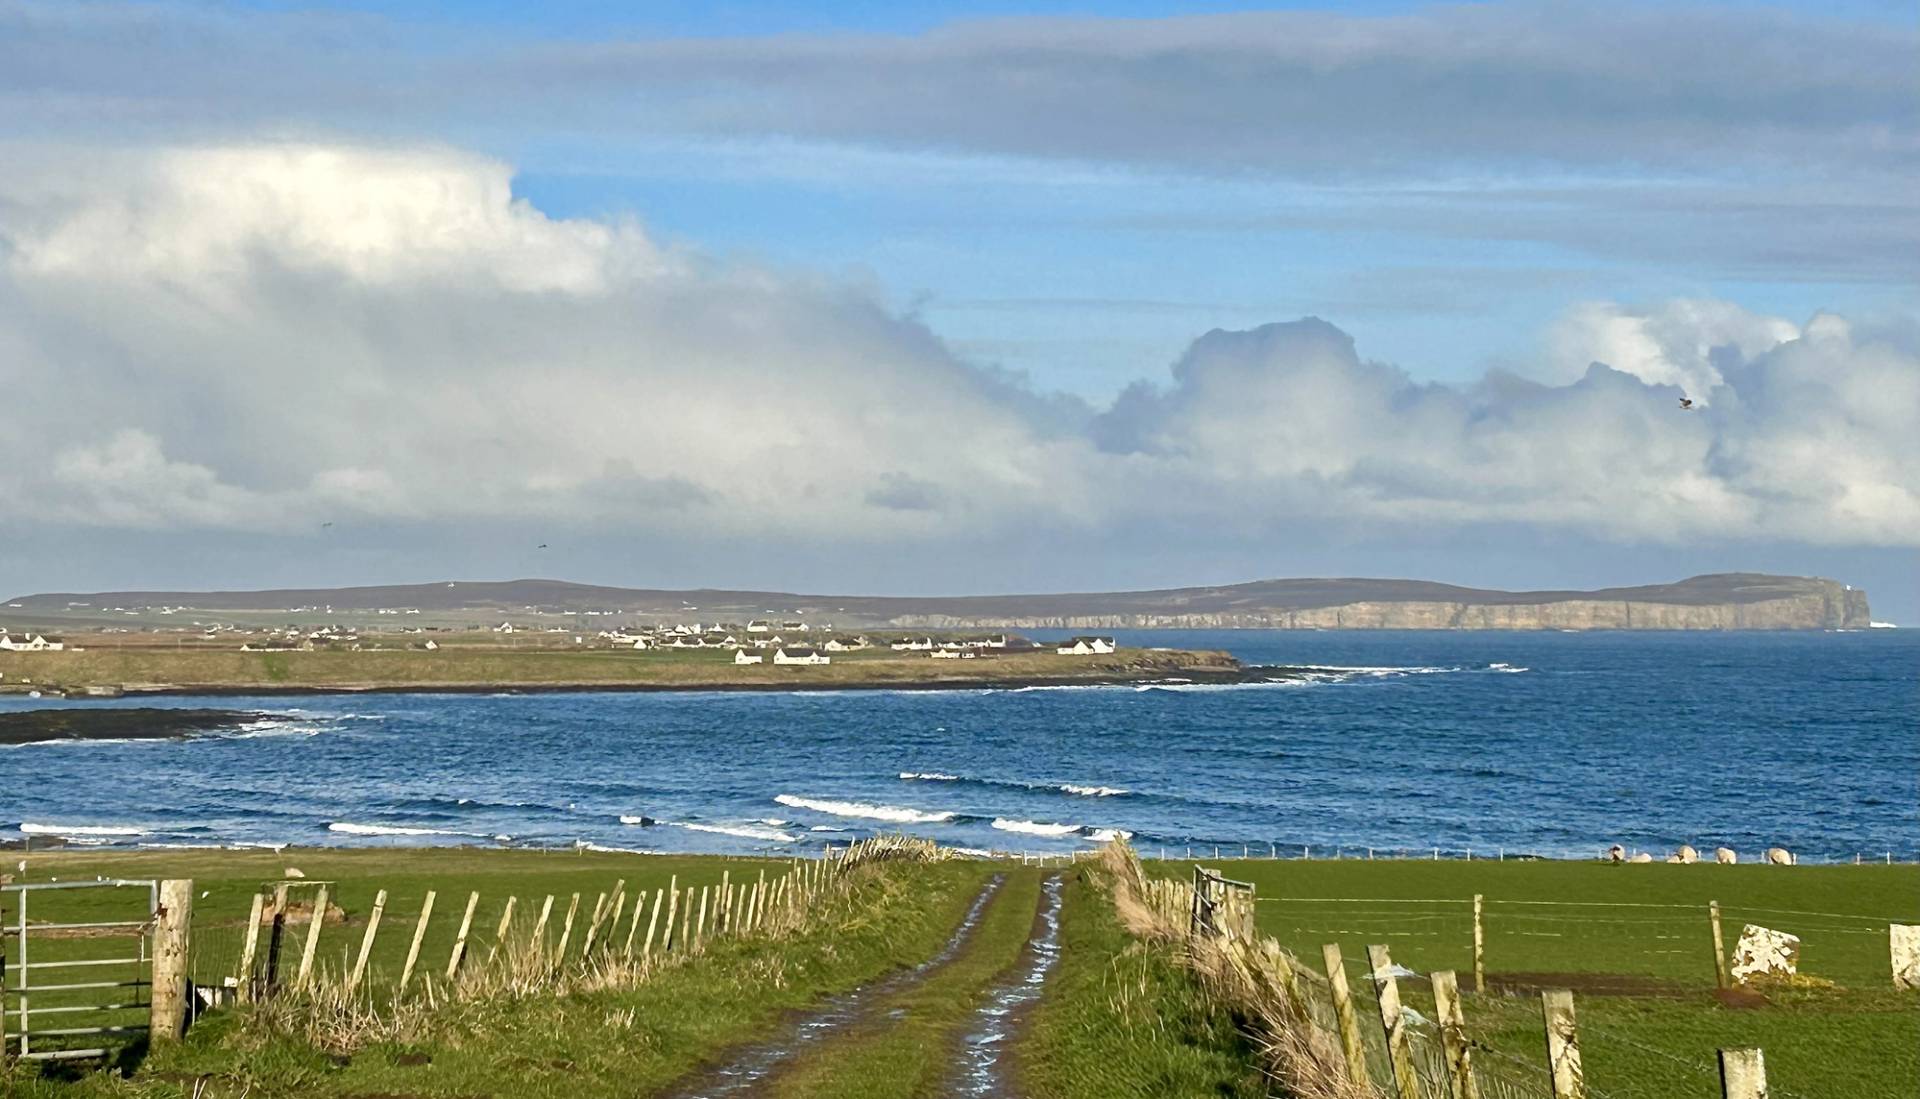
point(1635, 945)
point(1117, 1018)
point(502, 666)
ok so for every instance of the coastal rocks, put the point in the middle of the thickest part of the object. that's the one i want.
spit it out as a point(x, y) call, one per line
point(1780, 856)
point(1903, 941)
point(1765, 953)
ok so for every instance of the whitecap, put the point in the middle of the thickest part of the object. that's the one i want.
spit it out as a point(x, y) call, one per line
point(928, 776)
point(353, 828)
point(1092, 791)
point(1108, 835)
point(741, 830)
point(1035, 828)
point(862, 809)
point(71, 831)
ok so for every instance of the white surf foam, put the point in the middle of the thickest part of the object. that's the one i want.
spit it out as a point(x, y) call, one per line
point(740, 830)
point(583, 845)
point(1092, 791)
point(632, 818)
point(1035, 828)
point(1108, 835)
point(892, 813)
point(354, 828)
point(928, 776)
point(33, 828)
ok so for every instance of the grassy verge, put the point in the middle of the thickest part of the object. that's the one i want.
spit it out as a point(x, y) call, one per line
point(1121, 1018)
point(909, 1049)
point(615, 1041)
point(1642, 972)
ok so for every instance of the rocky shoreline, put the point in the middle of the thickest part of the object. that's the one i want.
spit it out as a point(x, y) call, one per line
point(116, 723)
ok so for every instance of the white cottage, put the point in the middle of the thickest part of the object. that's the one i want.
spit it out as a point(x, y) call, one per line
point(794, 654)
point(1087, 646)
point(742, 656)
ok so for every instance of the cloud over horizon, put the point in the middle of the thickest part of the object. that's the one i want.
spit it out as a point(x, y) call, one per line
point(258, 337)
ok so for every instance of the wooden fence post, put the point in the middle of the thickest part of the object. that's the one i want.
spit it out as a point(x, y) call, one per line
point(366, 940)
point(1563, 1045)
point(419, 936)
point(278, 934)
point(659, 896)
point(1343, 1013)
point(1719, 946)
point(566, 929)
point(667, 940)
point(725, 922)
point(538, 940)
point(459, 953)
point(1453, 1035)
point(506, 924)
point(172, 921)
point(312, 946)
point(243, 973)
point(1743, 1074)
point(1393, 1022)
point(683, 939)
point(1479, 945)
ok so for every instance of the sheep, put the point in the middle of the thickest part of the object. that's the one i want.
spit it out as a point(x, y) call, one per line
point(1725, 856)
point(1642, 857)
point(1616, 853)
point(1780, 856)
point(1686, 854)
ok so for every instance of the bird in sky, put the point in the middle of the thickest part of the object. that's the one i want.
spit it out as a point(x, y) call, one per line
point(542, 545)
point(326, 524)
point(1686, 404)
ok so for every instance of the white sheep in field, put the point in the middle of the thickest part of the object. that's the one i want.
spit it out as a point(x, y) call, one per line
point(1725, 856)
point(1780, 856)
point(1686, 854)
point(1616, 853)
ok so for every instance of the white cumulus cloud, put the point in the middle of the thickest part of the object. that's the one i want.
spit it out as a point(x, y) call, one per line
point(264, 337)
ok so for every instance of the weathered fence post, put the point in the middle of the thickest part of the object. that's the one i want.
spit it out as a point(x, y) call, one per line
point(243, 973)
point(1393, 1022)
point(506, 924)
point(314, 924)
point(459, 953)
point(1344, 1014)
point(566, 929)
point(700, 925)
point(673, 907)
point(278, 934)
point(1903, 954)
point(1479, 945)
point(1743, 1074)
point(1563, 1045)
point(1453, 1035)
point(419, 936)
point(167, 1006)
point(1719, 946)
point(366, 940)
point(653, 920)
point(538, 940)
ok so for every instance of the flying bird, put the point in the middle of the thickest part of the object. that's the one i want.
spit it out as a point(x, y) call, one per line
point(326, 524)
point(1686, 404)
point(542, 545)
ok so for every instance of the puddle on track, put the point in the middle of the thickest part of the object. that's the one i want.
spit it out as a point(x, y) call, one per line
point(750, 1066)
point(983, 1054)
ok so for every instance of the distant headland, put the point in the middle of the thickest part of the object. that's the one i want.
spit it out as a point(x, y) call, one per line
point(1719, 601)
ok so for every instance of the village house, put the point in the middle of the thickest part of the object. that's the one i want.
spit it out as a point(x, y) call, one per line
point(914, 645)
point(1087, 646)
point(30, 643)
point(760, 625)
point(742, 656)
point(794, 654)
point(844, 644)
point(954, 654)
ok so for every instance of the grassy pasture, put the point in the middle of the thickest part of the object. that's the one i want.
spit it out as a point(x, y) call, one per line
point(1642, 971)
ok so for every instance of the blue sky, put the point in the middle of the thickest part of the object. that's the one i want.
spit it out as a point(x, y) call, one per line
point(1029, 214)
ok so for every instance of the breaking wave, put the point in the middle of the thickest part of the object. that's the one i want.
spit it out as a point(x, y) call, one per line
point(894, 813)
point(1085, 790)
point(1035, 828)
point(354, 828)
point(741, 830)
point(33, 828)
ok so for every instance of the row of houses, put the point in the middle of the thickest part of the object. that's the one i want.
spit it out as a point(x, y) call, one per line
point(785, 654)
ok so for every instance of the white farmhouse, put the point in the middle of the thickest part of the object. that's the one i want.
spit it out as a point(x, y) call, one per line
point(794, 654)
point(1087, 646)
point(29, 643)
point(742, 656)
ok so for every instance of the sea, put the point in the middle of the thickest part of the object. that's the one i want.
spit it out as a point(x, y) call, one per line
point(1435, 744)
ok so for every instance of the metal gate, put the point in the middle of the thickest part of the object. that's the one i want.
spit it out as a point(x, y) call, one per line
point(1221, 906)
point(75, 976)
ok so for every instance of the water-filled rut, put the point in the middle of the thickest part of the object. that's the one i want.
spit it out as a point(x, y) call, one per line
point(981, 1069)
point(745, 1070)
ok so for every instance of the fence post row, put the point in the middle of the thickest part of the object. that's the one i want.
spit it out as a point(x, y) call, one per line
point(1563, 1045)
point(1393, 1022)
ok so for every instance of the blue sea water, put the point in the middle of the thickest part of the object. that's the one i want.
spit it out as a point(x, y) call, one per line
point(1546, 743)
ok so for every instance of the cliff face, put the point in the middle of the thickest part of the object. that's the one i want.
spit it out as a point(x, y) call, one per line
point(1828, 606)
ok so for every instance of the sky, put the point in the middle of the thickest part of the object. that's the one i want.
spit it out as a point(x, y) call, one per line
point(945, 298)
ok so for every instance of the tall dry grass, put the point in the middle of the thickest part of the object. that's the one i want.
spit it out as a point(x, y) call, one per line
point(1255, 979)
